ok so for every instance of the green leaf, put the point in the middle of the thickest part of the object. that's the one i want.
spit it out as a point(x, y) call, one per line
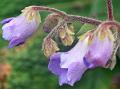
point(86, 27)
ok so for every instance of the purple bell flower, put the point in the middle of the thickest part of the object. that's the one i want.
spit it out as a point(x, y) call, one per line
point(93, 50)
point(100, 50)
point(69, 66)
point(17, 29)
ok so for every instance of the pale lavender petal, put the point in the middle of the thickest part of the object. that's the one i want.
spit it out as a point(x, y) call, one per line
point(7, 20)
point(54, 67)
point(63, 78)
point(16, 42)
point(100, 52)
point(76, 54)
point(8, 32)
point(89, 65)
point(66, 75)
point(54, 64)
point(19, 27)
point(75, 72)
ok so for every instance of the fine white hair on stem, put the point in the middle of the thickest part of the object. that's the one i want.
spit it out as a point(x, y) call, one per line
point(71, 18)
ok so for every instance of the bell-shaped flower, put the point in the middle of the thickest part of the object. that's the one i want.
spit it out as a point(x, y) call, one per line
point(100, 50)
point(17, 29)
point(69, 66)
point(93, 50)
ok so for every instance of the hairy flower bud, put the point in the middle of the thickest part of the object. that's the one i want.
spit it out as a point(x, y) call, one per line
point(67, 40)
point(49, 47)
point(50, 22)
point(66, 34)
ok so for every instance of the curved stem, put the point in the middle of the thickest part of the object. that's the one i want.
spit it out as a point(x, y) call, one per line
point(109, 9)
point(112, 62)
point(110, 23)
point(84, 19)
point(55, 29)
point(44, 8)
point(70, 18)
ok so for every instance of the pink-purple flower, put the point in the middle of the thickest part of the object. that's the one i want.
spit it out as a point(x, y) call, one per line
point(93, 50)
point(69, 66)
point(100, 50)
point(17, 29)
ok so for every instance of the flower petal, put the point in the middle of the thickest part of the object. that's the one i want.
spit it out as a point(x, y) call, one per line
point(63, 78)
point(7, 20)
point(100, 52)
point(54, 64)
point(75, 71)
point(76, 54)
point(18, 27)
point(16, 42)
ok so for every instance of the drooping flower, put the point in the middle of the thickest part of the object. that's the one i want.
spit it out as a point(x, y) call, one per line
point(69, 66)
point(17, 29)
point(94, 49)
point(100, 50)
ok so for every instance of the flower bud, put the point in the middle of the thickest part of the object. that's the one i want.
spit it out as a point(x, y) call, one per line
point(50, 22)
point(67, 40)
point(49, 47)
point(66, 35)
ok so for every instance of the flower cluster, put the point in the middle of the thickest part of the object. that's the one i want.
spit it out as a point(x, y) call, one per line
point(95, 48)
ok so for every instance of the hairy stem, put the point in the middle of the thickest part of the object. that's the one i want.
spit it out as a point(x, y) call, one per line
point(70, 18)
point(44, 8)
point(109, 9)
point(55, 29)
point(84, 19)
point(112, 61)
point(110, 23)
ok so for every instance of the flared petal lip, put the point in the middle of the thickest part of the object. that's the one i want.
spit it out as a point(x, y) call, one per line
point(65, 74)
point(16, 42)
point(7, 20)
point(54, 64)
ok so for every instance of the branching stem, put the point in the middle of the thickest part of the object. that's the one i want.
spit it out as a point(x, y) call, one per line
point(71, 18)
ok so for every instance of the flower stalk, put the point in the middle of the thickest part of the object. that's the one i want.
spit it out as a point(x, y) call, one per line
point(70, 18)
point(68, 66)
point(109, 9)
point(55, 29)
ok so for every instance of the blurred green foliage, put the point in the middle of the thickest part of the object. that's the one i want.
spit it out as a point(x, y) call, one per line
point(29, 65)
